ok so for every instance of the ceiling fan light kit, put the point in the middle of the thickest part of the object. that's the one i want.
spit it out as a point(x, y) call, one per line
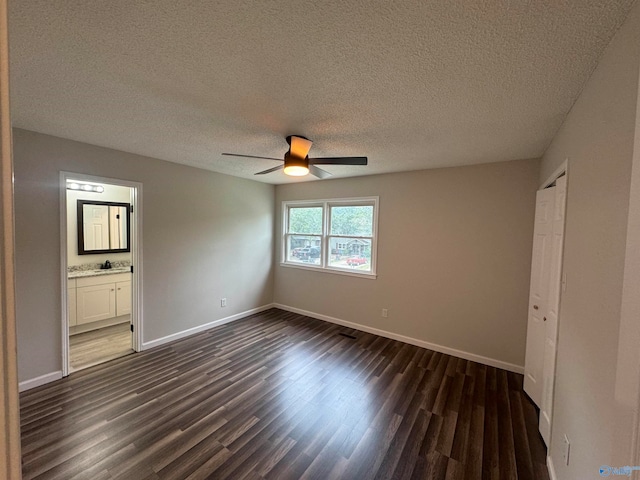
point(297, 162)
point(295, 166)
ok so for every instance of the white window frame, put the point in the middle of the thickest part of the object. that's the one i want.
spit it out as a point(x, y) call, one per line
point(326, 204)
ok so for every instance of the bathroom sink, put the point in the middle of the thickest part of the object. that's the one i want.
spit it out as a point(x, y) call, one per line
point(115, 269)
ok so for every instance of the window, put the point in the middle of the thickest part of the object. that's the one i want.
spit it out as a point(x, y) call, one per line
point(337, 235)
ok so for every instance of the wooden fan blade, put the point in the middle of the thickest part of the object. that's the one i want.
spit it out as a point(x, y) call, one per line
point(279, 167)
point(338, 161)
point(251, 156)
point(318, 172)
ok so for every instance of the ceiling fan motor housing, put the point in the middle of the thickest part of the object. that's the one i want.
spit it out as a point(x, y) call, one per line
point(292, 160)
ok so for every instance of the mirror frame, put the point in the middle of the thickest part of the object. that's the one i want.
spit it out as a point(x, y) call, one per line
point(80, 225)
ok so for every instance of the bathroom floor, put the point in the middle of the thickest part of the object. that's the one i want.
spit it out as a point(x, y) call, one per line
point(98, 346)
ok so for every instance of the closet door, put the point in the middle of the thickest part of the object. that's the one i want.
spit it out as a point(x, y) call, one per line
point(539, 293)
point(553, 308)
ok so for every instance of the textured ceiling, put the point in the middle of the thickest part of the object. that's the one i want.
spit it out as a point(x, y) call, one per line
point(411, 84)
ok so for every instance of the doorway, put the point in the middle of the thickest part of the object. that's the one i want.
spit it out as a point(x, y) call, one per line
point(100, 268)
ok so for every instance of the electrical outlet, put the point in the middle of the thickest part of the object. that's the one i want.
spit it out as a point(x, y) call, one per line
point(565, 450)
point(223, 302)
point(385, 313)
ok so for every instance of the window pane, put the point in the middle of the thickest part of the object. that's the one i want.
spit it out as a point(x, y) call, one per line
point(305, 220)
point(304, 249)
point(351, 253)
point(352, 220)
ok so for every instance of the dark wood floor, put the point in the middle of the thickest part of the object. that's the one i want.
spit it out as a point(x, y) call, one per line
point(278, 395)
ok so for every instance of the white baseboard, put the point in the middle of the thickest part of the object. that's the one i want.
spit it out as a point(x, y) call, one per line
point(412, 341)
point(192, 331)
point(551, 469)
point(41, 380)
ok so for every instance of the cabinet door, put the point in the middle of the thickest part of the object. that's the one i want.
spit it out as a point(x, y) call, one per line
point(71, 306)
point(96, 303)
point(123, 298)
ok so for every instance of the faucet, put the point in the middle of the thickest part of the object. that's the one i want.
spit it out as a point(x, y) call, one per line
point(106, 266)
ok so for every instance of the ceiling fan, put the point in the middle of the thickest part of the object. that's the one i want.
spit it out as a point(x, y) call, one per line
point(297, 162)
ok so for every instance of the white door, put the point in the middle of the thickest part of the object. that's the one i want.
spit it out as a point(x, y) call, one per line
point(553, 306)
point(539, 293)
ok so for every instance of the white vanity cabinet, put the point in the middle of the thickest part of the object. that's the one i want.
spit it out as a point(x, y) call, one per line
point(123, 298)
point(100, 298)
point(96, 303)
point(71, 301)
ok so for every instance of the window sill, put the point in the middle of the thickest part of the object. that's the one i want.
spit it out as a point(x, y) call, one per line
point(367, 275)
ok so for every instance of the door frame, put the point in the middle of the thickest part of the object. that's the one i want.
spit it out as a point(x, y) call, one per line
point(563, 168)
point(136, 258)
point(10, 456)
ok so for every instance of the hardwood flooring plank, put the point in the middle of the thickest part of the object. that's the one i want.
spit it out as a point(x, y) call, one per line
point(160, 456)
point(491, 445)
point(507, 456)
point(460, 444)
point(431, 436)
point(455, 470)
point(447, 432)
point(522, 451)
point(403, 452)
point(191, 460)
point(324, 463)
point(265, 465)
point(211, 465)
point(433, 467)
point(473, 461)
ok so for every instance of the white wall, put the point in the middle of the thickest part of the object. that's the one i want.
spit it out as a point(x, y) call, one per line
point(112, 193)
point(598, 138)
point(454, 257)
point(206, 236)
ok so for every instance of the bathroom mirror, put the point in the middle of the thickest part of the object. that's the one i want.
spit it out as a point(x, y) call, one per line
point(103, 227)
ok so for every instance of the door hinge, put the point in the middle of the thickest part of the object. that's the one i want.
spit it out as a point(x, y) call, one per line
point(131, 268)
point(131, 207)
point(132, 327)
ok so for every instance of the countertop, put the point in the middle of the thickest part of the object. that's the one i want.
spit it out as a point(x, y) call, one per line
point(96, 273)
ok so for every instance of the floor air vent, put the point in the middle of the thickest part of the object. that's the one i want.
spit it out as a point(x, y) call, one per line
point(348, 336)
